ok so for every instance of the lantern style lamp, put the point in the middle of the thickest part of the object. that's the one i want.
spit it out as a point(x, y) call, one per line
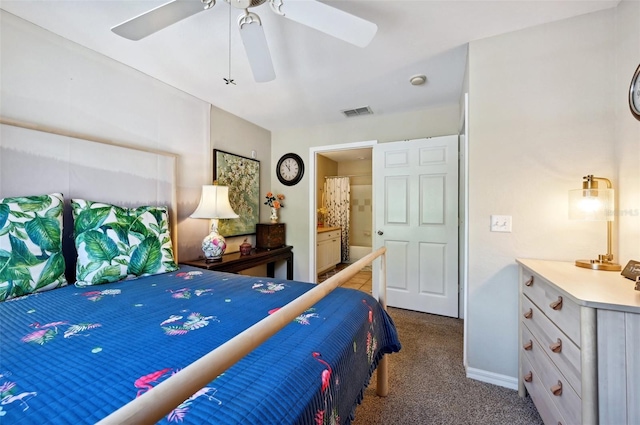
point(592, 203)
point(214, 204)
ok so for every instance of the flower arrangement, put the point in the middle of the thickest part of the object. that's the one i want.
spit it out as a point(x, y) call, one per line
point(322, 214)
point(274, 201)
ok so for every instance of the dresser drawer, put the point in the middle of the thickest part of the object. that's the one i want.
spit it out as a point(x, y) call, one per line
point(560, 349)
point(557, 307)
point(325, 236)
point(567, 400)
point(537, 391)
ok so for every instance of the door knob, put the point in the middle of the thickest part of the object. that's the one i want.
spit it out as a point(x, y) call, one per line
point(380, 232)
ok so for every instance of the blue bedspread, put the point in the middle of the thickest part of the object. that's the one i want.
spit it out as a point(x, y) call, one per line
point(71, 356)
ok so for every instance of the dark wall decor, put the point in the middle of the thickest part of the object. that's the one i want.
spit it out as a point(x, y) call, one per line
point(242, 175)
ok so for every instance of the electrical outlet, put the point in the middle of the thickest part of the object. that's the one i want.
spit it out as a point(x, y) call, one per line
point(501, 223)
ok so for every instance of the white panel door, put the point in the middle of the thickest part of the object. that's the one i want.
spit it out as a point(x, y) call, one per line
point(416, 219)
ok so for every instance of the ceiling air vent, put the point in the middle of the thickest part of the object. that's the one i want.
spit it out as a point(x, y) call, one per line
point(365, 110)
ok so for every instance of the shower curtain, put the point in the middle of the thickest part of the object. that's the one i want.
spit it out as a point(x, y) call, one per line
point(337, 192)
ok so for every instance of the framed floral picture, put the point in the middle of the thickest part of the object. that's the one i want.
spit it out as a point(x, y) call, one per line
point(242, 176)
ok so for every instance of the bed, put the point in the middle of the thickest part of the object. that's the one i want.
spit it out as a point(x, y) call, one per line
point(170, 344)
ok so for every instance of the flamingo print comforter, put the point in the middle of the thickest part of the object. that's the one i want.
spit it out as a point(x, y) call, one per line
point(71, 355)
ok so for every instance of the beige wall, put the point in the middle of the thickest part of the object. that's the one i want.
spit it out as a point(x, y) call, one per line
point(324, 167)
point(233, 134)
point(388, 128)
point(627, 131)
point(544, 111)
point(77, 90)
point(359, 170)
point(361, 215)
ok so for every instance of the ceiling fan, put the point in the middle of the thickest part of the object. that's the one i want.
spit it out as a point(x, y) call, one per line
point(312, 13)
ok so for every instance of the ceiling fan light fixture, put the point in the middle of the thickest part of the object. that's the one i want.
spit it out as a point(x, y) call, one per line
point(255, 44)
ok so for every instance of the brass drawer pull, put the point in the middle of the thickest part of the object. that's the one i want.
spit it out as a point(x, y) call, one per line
point(556, 305)
point(529, 282)
point(528, 377)
point(557, 389)
point(556, 347)
point(528, 346)
point(528, 314)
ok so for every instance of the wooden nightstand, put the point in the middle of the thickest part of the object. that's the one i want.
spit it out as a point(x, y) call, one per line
point(234, 262)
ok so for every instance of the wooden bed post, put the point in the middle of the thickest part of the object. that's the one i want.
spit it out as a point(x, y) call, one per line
point(383, 368)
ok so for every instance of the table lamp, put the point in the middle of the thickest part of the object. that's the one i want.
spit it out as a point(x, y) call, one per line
point(594, 204)
point(214, 204)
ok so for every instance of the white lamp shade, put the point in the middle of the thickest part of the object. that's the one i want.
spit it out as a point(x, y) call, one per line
point(591, 204)
point(214, 203)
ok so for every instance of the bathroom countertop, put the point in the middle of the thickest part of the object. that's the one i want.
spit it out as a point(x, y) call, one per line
point(327, 229)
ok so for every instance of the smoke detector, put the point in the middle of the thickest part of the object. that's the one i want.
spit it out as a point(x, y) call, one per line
point(418, 80)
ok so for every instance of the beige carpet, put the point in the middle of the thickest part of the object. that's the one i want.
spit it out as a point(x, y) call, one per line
point(428, 383)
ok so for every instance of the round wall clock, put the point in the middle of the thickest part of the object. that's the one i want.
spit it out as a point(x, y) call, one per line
point(634, 94)
point(290, 169)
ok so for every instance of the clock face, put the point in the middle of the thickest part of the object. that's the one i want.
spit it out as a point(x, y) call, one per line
point(634, 94)
point(290, 169)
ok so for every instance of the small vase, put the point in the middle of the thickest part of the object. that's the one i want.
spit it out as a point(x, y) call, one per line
point(274, 215)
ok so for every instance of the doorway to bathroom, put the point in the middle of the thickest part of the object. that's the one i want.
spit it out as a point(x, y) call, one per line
point(342, 186)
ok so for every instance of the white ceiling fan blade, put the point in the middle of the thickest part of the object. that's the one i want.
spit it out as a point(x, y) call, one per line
point(255, 44)
point(328, 20)
point(157, 19)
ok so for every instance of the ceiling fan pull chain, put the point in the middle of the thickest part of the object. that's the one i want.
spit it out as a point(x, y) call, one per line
point(229, 80)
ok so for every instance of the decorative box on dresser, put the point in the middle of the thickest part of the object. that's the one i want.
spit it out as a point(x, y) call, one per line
point(579, 335)
point(270, 235)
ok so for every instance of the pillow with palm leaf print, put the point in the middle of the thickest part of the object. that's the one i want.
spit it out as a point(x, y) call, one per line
point(31, 257)
point(116, 243)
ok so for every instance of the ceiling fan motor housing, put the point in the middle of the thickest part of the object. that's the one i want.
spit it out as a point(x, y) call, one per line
point(245, 4)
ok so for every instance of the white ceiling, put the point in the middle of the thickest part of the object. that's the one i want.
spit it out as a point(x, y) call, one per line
point(349, 155)
point(317, 76)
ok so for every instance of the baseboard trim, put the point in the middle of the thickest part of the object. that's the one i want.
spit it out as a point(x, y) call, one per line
point(492, 378)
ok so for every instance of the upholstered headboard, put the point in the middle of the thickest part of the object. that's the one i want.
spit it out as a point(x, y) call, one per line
point(36, 162)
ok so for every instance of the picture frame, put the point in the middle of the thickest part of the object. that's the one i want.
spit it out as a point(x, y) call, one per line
point(242, 176)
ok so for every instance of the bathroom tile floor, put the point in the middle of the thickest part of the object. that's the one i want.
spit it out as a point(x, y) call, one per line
point(361, 281)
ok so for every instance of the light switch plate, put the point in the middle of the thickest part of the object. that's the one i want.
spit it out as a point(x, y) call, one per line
point(501, 223)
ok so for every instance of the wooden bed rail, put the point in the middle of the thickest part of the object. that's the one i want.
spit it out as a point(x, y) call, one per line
point(156, 403)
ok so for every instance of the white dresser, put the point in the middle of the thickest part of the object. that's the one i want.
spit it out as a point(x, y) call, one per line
point(579, 336)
